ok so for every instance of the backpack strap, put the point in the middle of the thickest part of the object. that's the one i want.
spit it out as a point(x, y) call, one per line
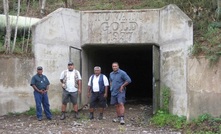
point(92, 78)
point(65, 76)
point(76, 78)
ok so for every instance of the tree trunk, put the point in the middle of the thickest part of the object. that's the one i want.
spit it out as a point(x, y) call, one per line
point(16, 27)
point(8, 29)
point(29, 32)
point(23, 40)
point(219, 9)
point(66, 3)
point(43, 7)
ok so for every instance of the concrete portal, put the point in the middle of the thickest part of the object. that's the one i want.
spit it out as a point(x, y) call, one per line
point(151, 45)
point(136, 60)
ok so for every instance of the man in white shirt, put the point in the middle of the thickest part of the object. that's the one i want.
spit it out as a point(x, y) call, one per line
point(71, 84)
point(97, 91)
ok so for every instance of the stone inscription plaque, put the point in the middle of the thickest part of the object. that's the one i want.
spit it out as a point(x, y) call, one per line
point(119, 27)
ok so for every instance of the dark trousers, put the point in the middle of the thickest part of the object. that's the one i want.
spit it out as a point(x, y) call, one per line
point(42, 99)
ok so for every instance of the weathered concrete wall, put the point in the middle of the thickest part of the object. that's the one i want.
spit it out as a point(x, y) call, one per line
point(176, 36)
point(204, 90)
point(52, 37)
point(16, 94)
point(133, 26)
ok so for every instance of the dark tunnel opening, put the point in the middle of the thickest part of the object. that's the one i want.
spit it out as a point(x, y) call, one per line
point(135, 59)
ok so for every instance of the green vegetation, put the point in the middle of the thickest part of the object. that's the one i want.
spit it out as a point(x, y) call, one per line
point(31, 111)
point(165, 98)
point(162, 119)
point(204, 124)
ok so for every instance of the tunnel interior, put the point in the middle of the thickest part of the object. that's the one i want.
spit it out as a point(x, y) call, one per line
point(135, 60)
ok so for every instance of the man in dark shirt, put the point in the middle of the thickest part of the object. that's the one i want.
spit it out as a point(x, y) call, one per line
point(118, 82)
point(40, 84)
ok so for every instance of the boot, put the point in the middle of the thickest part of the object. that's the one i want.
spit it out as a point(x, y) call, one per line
point(76, 115)
point(100, 116)
point(62, 116)
point(91, 116)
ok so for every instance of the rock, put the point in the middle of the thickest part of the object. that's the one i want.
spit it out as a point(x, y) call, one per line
point(77, 124)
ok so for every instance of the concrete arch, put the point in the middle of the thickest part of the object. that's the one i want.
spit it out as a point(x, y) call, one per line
point(168, 27)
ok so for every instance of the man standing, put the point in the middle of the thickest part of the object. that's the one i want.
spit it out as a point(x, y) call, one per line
point(118, 82)
point(71, 84)
point(40, 84)
point(97, 90)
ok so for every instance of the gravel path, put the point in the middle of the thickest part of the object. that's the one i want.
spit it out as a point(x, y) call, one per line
point(136, 118)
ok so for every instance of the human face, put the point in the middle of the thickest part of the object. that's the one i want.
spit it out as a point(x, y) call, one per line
point(115, 67)
point(70, 67)
point(39, 72)
point(97, 72)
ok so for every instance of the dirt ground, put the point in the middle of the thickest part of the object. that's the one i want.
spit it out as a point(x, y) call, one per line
point(136, 118)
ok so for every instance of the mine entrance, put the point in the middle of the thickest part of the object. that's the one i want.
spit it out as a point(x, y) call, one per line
point(136, 60)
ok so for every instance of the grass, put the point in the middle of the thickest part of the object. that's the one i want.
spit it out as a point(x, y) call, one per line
point(32, 111)
point(163, 118)
point(121, 128)
point(208, 45)
point(165, 98)
point(204, 124)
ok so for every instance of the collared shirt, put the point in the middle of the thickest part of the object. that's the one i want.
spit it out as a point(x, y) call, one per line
point(70, 79)
point(96, 87)
point(117, 79)
point(40, 81)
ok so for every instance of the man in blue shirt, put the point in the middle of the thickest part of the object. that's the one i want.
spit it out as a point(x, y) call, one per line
point(40, 84)
point(118, 82)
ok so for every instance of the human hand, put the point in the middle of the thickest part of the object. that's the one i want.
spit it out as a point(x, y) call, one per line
point(105, 95)
point(79, 91)
point(41, 91)
point(63, 86)
point(121, 88)
point(88, 94)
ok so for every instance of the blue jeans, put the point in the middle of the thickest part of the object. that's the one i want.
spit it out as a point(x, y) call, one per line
point(42, 99)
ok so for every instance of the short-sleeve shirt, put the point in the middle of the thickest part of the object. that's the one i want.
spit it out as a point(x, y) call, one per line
point(70, 79)
point(96, 87)
point(40, 81)
point(117, 79)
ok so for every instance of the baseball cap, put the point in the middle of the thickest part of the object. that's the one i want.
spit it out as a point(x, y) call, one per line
point(70, 63)
point(39, 68)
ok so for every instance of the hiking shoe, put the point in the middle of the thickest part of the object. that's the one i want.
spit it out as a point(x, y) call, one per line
point(91, 116)
point(122, 122)
point(116, 120)
point(62, 116)
point(76, 115)
point(100, 116)
point(39, 119)
point(49, 118)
